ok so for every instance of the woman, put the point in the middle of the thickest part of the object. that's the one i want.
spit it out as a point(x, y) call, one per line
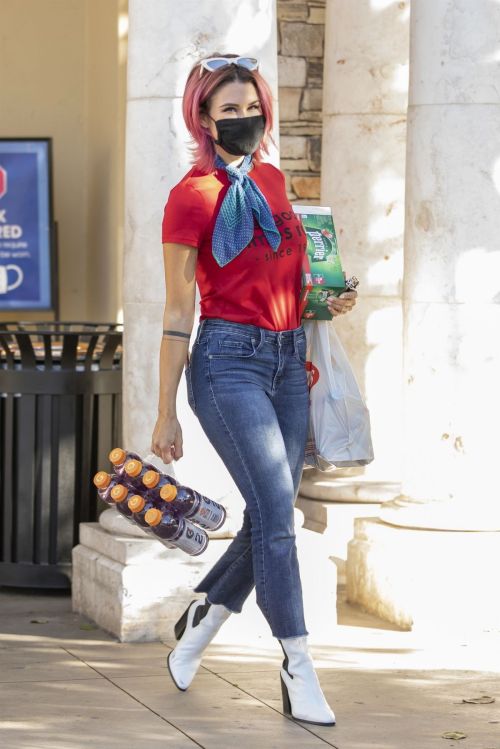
point(229, 226)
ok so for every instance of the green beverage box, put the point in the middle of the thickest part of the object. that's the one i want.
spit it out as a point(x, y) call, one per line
point(326, 277)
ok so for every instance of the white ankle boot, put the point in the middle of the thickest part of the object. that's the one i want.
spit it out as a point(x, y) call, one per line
point(300, 688)
point(195, 629)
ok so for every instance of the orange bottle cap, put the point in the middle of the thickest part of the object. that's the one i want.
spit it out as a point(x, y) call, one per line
point(153, 516)
point(136, 503)
point(118, 493)
point(117, 456)
point(102, 479)
point(133, 467)
point(150, 479)
point(168, 492)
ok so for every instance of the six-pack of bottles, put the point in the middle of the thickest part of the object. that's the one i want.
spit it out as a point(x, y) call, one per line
point(174, 514)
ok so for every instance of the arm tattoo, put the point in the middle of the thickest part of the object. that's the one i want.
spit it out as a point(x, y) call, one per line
point(176, 334)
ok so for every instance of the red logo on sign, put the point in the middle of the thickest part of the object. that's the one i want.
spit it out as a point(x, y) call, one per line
point(3, 181)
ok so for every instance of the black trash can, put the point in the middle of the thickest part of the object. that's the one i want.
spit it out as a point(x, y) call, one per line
point(60, 415)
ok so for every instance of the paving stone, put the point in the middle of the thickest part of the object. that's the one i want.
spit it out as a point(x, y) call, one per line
point(390, 688)
point(124, 659)
point(377, 709)
point(33, 663)
point(85, 714)
point(219, 715)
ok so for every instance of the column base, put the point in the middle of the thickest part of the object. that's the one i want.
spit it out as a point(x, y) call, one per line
point(135, 588)
point(450, 515)
point(335, 522)
point(346, 485)
point(425, 579)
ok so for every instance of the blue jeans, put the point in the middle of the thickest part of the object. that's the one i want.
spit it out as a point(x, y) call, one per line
point(248, 388)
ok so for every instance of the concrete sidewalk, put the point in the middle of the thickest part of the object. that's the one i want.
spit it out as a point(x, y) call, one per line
point(65, 684)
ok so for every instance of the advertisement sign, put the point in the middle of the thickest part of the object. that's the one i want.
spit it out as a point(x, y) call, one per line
point(26, 224)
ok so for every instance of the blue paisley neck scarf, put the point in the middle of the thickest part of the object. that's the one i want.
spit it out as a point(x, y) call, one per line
point(235, 221)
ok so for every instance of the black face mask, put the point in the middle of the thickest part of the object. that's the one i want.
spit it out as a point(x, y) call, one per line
point(240, 136)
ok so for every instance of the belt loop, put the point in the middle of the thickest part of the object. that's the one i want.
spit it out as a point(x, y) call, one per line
point(296, 334)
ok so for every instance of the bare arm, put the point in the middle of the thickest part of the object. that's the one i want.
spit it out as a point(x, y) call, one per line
point(178, 317)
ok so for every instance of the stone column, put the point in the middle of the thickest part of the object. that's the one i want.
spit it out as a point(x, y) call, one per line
point(362, 179)
point(134, 587)
point(451, 341)
point(163, 45)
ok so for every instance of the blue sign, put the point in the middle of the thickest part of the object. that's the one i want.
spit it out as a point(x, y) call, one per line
point(25, 224)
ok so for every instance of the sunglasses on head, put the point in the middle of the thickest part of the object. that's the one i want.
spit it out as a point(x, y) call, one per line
point(216, 63)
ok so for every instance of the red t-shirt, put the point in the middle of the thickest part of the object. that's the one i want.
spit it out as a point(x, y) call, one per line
point(259, 286)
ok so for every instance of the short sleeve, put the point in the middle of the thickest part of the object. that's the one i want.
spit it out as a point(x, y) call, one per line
point(184, 218)
point(280, 177)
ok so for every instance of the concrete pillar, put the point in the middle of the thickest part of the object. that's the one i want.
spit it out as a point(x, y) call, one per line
point(119, 581)
point(163, 45)
point(362, 179)
point(451, 343)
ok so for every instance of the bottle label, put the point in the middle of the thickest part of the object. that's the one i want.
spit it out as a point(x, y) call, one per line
point(192, 540)
point(210, 515)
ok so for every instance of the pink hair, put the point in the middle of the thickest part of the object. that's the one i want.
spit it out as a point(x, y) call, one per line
point(199, 89)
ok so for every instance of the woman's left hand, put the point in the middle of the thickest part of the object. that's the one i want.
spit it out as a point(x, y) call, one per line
point(339, 305)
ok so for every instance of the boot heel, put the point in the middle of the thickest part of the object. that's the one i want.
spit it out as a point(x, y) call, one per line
point(180, 626)
point(287, 707)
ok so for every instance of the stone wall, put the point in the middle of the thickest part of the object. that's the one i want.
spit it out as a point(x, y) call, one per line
point(301, 30)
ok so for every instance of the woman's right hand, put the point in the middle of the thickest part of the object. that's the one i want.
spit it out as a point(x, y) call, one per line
point(166, 441)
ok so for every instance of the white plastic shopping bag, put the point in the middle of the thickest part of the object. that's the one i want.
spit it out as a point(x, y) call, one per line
point(339, 423)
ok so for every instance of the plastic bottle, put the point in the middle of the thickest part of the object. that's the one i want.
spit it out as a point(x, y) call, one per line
point(134, 471)
point(177, 531)
point(120, 496)
point(139, 506)
point(104, 482)
point(120, 457)
point(192, 505)
point(153, 481)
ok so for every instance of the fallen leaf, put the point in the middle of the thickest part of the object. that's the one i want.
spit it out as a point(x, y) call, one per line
point(39, 621)
point(453, 735)
point(88, 626)
point(483, 700)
